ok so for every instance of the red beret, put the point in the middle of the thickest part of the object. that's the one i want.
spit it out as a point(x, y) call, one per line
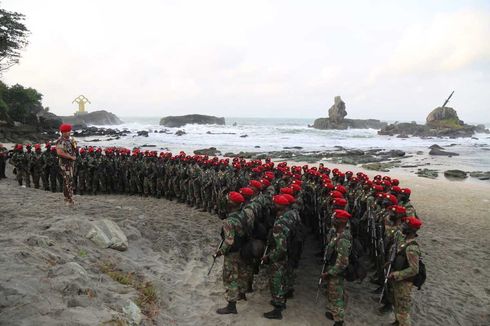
point(406, 191)
point(290, 198)
point(396, 189)
point(392, 198)
point(286, 190)
point(339, 202)
point(395, 182)
point(341, 189)
point(37, 146)
point(413, 222)
point(255, 184)
point(378, 188)
point(398, 209)
point(336, 194)
point(65, 127)
point(236, 197)
point(340, 214)
point(296, 187)
point(266, 182)
point(247, 192)
point(280, 200)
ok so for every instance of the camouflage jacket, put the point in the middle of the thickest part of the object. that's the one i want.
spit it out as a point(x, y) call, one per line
point(412, 252)
point(341, 246)
point(233, 232)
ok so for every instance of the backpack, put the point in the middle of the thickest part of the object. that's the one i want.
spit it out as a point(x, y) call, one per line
point(402, 263)
point(356, 270)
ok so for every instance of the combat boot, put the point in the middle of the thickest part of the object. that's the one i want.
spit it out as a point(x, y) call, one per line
point(289, 294)
point(242, 296)
point(386, 308)
point(276, 313)
point(229, 309)
point(338, 323)
point(329, 315)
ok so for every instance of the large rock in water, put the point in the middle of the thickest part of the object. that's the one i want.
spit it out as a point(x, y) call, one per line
point(337, 112)
point(179, 121)
point(444, 117)
point(107, 234)
point(101, 117)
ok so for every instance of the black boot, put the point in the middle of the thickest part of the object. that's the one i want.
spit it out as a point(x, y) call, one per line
point(338, 323)
point(276, 313)
point(229, 309)
point(329, 315)
point(242, 296)
point(387, 308)
point(289, 294)
point(395, 323)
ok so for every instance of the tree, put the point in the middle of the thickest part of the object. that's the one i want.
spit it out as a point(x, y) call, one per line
point(13, 37)
point(23, 103)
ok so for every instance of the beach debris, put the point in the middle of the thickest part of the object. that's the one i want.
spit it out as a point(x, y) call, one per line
point(107, 234)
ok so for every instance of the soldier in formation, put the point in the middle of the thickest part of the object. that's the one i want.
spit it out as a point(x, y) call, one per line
point(266, 208)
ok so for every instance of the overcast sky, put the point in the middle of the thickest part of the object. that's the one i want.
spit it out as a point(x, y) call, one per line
point(394, 60)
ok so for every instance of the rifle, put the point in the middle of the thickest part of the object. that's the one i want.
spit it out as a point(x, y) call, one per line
point(214, 256)
point(326, 259)
point(393, 253)
point(265, 254)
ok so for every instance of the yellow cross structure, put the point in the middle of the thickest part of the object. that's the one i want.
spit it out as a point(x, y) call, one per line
point(81, 101)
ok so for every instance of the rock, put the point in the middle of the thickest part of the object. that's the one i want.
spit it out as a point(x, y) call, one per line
point(243, 136)
point(107, 234)
point(49, 120)
point(443, 117)
point(480, 175)
point(481, 129)
point(294, 147)
point(402, 136)
point(180, 132)
point(40, 241)
point(71, 279)
point(179, 121)
point(436, 151)
point(337, 111)
point(427, 173)
point(384, 167)
point(234, 124)
point(132, 313)
point(143, 133)
point(212, 151)
point(435, 146)
point(426, 131)
point(456, 174)
point(394, 153)
point(100, 117)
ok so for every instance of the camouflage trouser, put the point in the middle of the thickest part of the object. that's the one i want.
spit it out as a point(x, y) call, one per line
point(67, 173)
point(277, 273)
point(45, 178)
point(28, 178)
point(36, 175)
point(290, 278)
point(247, 275)
point(231, 276)
point(21, 176)
point(337, 297)
point(402, 291)
point(160, 190)
point(81, 182)
point(148, 186)
point(197, 195)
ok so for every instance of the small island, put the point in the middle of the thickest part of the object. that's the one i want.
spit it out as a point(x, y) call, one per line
point(179, 121)
point(336, 119)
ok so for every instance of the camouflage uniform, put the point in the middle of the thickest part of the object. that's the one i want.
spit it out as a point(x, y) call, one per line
point(66, 166)
point(402, 281)
point(278, 262)
point(36, 168)
point(340, 247)
point(19, 161)
point(233, 234)
point(45, 159)
point(3, 161)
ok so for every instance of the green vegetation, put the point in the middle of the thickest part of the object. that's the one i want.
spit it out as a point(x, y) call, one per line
point(21, 104)
point(13, 38)
point(447, 123)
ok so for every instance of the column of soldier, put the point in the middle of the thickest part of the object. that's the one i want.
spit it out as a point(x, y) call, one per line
point(266, 209)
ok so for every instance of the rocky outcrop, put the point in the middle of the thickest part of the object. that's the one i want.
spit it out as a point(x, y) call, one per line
point(179, 121)
point(443, 117)
point(212, 151)
point(107, 234)
point(455, 174)
point(336, 119)
point(101, 117)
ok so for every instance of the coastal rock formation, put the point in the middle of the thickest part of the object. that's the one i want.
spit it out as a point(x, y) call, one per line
point(212, 151)
point(179, 121)
point(441, 122)
point(107, 234)
point(455, 174)
point(101, 117)
point(336, 119)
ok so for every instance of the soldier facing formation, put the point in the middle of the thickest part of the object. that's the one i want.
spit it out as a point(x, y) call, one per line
point(267, 210)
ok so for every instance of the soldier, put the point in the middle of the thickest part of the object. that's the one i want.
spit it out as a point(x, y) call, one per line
point(28, 154)
point(54, 170)
point(234, 237)
point(36, 165)
point(277, 257)
point(3, 161)
point(337, 256)
point(19, 161)
point(82, 169)
point(404, 199)
point(65, 148)
point(405, 267)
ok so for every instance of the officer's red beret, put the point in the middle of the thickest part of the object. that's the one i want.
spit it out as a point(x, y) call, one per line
point(341, 189)
point(336, 194)
point(255, 184)
point(296, 187)
point(280, 200)
point(265, 182)
point(65, 127)
point(286, 190)
point(340, 214)
point(236, 197)
point(413, 222)
point(395, 182)
point(339, 202)
point(247, 192)
point(290, 198)
point(398, 209)
point(406, 191)
point(392, 198)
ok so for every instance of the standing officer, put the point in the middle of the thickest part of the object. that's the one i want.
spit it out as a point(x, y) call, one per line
point(65, 148)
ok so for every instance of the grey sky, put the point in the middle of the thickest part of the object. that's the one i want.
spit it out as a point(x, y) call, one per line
point(387, 59)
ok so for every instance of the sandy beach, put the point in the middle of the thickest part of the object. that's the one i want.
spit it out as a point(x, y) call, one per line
point(170, 245)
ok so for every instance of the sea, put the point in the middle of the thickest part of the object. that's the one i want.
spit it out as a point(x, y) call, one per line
point(271, 134)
